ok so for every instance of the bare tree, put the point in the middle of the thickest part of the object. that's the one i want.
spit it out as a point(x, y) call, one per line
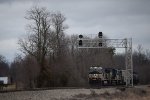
point(58, 20)
point(46, 38)
point(24, 72)
point(4, 67)
point(15, 71)
point(37, 44)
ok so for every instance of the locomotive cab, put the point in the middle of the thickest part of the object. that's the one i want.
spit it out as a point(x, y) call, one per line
point(95, 75)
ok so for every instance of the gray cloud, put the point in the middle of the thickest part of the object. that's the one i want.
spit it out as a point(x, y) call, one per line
point(116, 18)
point(13, 1)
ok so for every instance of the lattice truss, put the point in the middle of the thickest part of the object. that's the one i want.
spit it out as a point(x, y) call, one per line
point(102, 43)
point(86, 42)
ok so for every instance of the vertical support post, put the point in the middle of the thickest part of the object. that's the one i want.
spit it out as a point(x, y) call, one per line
point(131, 65)
point(128, 62)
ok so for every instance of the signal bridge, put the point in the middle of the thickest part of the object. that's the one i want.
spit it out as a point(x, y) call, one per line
point(101, 42)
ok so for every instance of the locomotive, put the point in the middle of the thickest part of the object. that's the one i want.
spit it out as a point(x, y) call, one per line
point(108, 76)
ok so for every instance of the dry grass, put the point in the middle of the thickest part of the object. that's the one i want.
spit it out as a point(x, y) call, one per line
point(137, 93)
point(122, 94)
point(9, 87)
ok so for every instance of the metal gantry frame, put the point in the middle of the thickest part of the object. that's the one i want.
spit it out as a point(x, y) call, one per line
point(90, 42)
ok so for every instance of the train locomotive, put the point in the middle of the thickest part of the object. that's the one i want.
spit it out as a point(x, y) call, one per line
point(108, 76)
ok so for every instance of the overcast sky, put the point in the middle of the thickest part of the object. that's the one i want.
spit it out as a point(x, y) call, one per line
point(115, 18)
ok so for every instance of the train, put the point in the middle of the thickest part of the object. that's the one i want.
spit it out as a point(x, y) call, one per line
point(108, 76)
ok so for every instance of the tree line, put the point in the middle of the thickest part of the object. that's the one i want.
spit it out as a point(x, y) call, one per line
point(52, 58)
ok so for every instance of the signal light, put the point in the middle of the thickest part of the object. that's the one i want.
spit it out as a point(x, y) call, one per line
point(80, 36)
point(100, 44)
point(100, 34)
point(80, 42)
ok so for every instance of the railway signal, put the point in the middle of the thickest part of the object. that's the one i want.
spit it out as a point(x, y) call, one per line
point(100, 34)
point(80, 42)
point(112, 43)
point(100, 44)
point(80, 36)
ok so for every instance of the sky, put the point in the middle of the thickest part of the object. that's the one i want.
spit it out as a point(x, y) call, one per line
point(117, 19)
